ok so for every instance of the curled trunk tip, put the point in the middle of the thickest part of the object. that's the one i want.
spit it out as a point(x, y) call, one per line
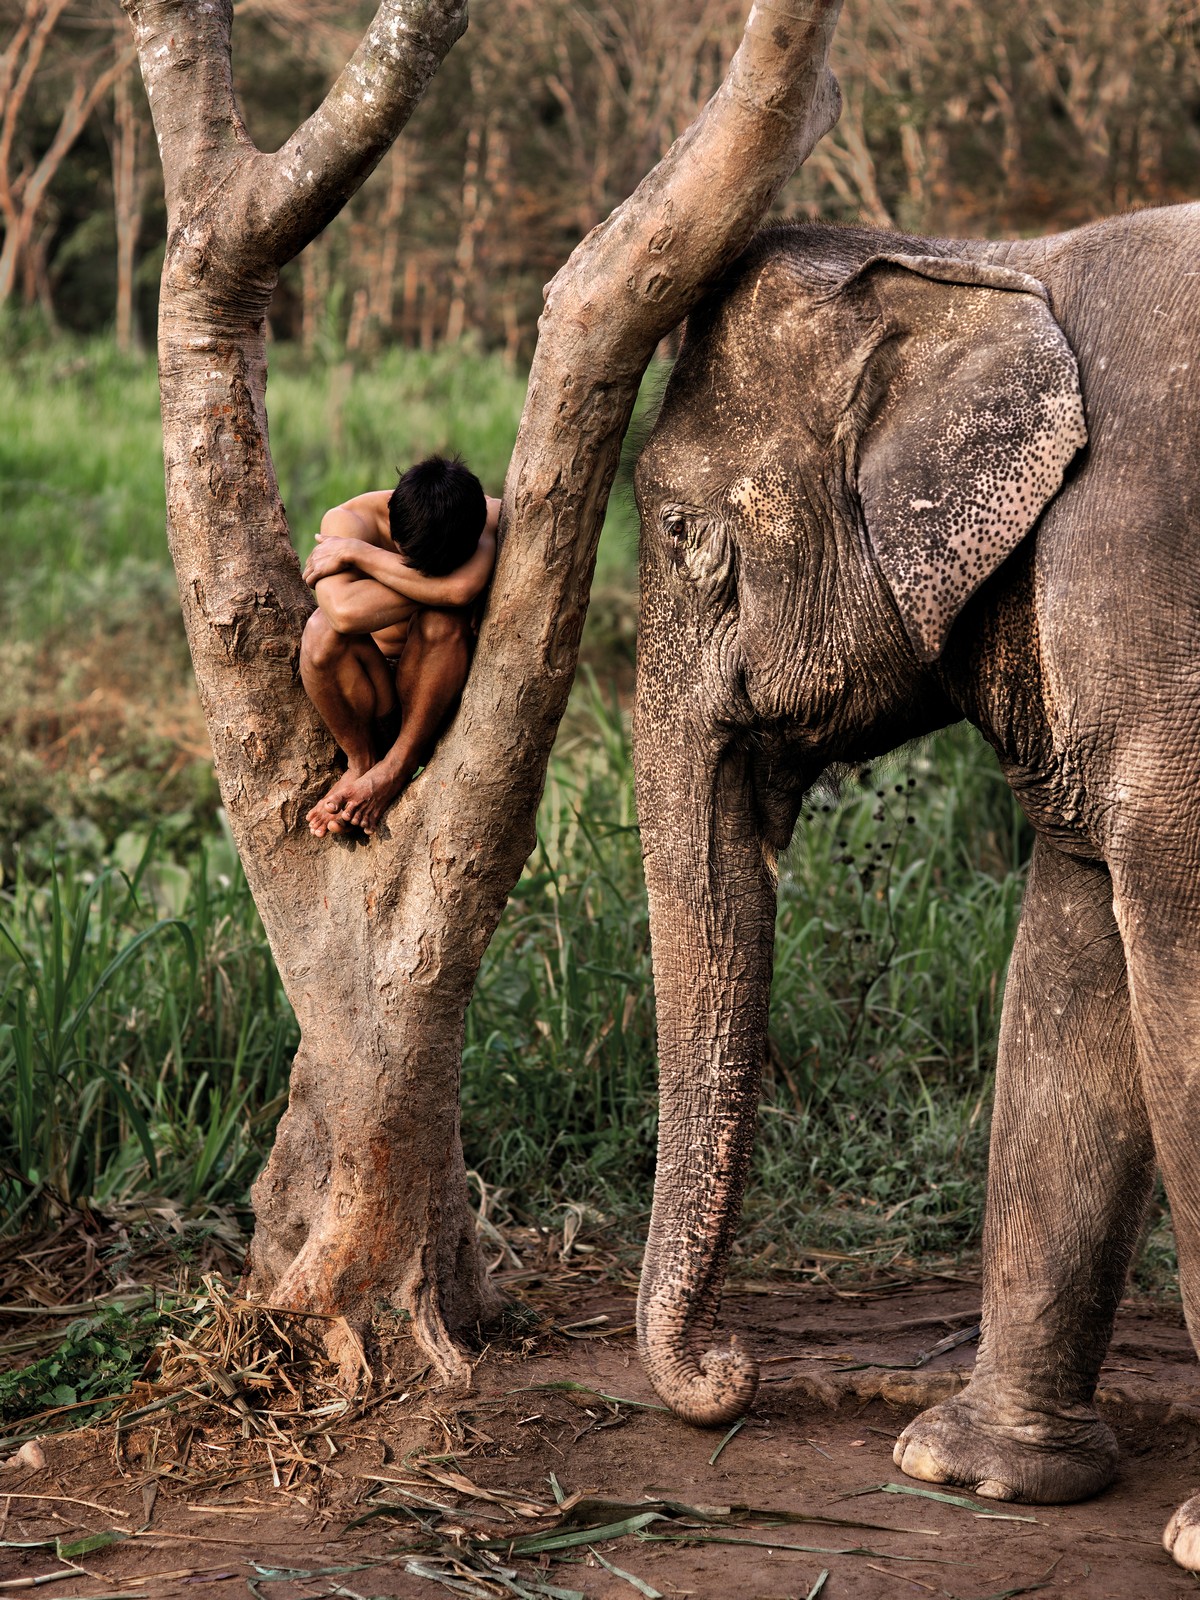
point(707, 1391)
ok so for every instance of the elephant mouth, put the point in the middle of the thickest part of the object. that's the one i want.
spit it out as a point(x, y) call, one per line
point(780, 777)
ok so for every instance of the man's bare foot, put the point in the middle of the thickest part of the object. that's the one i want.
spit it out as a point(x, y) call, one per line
point(325, 817)
point(365, 800)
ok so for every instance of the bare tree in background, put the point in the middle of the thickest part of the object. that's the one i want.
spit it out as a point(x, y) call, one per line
point(364, 1196)
point(960, 118)
point(127, 171)
point(25, 178)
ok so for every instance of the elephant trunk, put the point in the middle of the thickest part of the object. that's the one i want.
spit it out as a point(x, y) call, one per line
point(712, 914)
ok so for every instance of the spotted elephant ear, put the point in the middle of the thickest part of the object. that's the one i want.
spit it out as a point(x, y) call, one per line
point(976, 414)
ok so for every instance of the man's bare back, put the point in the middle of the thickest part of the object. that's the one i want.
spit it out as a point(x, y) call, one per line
point(386, 639)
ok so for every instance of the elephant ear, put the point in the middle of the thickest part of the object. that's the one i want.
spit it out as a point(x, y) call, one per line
point(977, 414)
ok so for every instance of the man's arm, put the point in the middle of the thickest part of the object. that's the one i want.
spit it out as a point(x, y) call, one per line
point(353, 603)
point(337, 553)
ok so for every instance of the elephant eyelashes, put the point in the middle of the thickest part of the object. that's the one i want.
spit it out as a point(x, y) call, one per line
point(700, 546)
point(678, 529)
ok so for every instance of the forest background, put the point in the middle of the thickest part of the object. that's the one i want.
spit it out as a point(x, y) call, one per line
point(144, 1037)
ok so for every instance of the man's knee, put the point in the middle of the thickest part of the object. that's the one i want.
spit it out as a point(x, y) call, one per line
point(321, 644)
point(442, 628)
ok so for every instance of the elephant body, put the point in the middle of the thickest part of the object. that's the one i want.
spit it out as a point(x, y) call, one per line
point(896, 483)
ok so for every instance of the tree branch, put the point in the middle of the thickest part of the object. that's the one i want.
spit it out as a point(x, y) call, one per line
point(12, 95)
point(778, 99)
point(85, 96)
point(184, 52)
point(297, 191)
point(629, 282)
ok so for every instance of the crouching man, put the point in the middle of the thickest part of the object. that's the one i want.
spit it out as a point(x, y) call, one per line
point(397, 577)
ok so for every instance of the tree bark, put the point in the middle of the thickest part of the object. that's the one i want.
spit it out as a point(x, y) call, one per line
point(378, 944)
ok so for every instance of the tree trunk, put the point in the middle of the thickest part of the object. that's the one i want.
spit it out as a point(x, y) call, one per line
point(365, 1194)
point(378, 944)
point(473, 216)
point(383, 272)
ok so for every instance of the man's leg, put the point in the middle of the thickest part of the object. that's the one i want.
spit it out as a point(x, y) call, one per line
point(351, 683)
point(429, 681)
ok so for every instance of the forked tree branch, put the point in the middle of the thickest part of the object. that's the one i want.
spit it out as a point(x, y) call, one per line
point(86, 94)
point(36, 30)
point(275, 204)
point(234, 216)
point(21, 196)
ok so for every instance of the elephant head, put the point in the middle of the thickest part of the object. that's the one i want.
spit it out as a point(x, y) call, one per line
point(851, 442)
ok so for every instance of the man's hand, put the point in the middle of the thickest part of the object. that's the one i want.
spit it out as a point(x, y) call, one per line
point(332, 555)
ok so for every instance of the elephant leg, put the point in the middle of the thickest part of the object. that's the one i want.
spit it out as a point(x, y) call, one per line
point(1157, 903)
point(1069, 1176)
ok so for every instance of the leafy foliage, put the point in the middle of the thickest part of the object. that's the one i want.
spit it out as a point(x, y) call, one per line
point(99, 1357)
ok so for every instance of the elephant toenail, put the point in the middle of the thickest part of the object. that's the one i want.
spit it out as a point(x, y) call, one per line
point(992, 1489)
point(1186, 1549)
point(920, 1462)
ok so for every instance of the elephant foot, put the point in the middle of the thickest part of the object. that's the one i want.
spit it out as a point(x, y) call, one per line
point(1181, 1536)
point(1008, 1452)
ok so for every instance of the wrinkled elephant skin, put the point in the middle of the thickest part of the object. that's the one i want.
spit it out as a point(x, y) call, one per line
point(896, 483)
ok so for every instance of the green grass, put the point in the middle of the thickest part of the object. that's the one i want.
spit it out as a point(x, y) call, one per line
point(145, 1038)
point(144, 1035)
point(81, 457)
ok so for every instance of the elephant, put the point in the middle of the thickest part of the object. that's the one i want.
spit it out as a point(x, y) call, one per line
point(894, 483)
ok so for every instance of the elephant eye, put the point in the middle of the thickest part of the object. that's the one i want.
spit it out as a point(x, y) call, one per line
point(675, 522)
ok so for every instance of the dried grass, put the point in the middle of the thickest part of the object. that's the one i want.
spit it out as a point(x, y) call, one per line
point(258, 1380)
point(129, 1254)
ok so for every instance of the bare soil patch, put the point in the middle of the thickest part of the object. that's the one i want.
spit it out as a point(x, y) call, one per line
point(839, 1384)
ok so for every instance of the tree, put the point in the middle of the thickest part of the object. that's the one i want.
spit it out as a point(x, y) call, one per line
point(378, 945)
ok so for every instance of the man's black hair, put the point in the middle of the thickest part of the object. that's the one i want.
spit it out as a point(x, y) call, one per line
point(437, 512)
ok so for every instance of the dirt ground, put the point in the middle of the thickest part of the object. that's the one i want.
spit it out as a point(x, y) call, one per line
point(434, 1478)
